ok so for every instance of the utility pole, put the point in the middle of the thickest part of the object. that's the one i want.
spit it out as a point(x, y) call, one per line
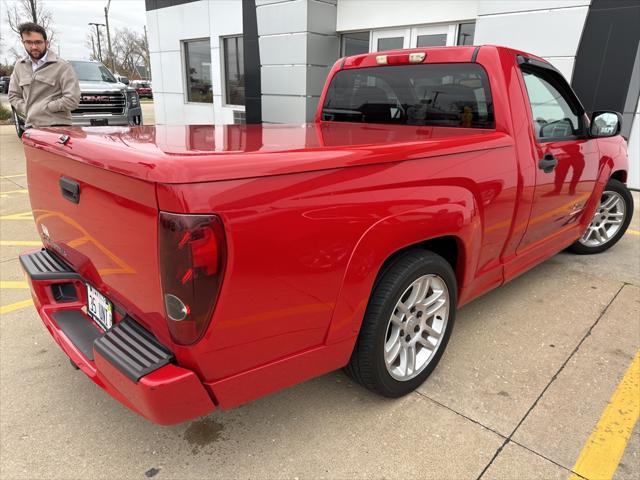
point(146, 54)
point(98, 25)
point(106, 19)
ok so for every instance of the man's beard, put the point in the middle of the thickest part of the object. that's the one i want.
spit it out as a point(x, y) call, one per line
point(40, 54)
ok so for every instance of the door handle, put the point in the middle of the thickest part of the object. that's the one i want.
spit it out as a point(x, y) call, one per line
point(548, 163)
point(70, 189)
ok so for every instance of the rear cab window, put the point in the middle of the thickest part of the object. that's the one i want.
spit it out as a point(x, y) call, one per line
point(446, 95)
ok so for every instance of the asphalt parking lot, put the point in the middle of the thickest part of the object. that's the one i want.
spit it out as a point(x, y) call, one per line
point(538, 381)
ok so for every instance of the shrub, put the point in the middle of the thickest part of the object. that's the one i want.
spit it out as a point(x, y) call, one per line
point(5, 113)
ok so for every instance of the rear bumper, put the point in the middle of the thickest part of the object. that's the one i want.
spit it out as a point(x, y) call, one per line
point(126, 361)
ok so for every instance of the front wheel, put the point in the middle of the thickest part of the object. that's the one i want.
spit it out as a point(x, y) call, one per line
point(406, 326)
point(610, 221)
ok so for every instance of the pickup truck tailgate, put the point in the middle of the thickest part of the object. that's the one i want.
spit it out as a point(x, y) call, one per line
point(103, 224)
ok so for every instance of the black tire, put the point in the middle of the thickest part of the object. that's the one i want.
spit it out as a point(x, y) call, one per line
point(618, 188)
point(18, 123)
point(367, 364)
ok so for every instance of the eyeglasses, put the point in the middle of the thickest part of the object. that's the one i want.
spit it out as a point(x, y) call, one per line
point(35, 43)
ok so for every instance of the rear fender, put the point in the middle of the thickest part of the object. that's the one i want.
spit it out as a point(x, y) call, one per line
point(455, 216)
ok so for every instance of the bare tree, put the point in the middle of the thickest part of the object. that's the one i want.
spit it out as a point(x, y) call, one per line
point(130, 52)
point(35, 11)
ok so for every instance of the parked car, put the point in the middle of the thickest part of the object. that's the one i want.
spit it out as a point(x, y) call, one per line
point(143, 88)
point(104, 101)
point(187, 269)
point(4, 84)
point(122, 79)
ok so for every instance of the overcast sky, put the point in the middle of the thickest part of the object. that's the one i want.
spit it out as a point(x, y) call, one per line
point(70, 18)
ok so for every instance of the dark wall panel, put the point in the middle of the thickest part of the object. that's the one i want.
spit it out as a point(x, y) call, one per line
point(252, 76)
point(606, 58)
point(155, 4)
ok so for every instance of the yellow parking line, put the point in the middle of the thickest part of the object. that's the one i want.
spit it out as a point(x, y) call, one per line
point(633, 232)
point(601, 454)
point(20, 243)
point(14, 176)
point(11, 284)
point(15, 306)
point(6, 194)
point(18, 216)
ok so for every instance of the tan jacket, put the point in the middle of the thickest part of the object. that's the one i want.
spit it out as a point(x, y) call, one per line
point(47, 96)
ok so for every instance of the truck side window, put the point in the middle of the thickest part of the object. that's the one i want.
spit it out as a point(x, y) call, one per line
point(445, 95)
point(555, 117)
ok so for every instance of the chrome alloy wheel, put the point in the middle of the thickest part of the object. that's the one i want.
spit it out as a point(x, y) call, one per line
point(416, 327)
point(607, 220)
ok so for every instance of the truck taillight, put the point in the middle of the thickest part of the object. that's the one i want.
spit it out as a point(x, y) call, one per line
point(401, 58)
point(192, 252)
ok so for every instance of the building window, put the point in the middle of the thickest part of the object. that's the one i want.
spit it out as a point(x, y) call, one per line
point(438, 40)
point(355, 43)
point(390, 43)
point(234, 70)
point(197, 55)
point(466, 32)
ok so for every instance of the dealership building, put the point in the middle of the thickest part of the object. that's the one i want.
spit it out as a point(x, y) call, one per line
point(230, 61)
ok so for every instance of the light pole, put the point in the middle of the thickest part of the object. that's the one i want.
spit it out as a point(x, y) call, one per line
point(97, 25)
point(106, 19)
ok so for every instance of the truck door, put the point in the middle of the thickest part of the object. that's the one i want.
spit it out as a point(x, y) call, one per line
point(566, 159)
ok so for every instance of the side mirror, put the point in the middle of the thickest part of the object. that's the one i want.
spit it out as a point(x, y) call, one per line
point(605, 124)
point(124, 80)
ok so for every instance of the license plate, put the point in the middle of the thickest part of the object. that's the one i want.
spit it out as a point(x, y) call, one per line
point(99, 308)
point(99, 122)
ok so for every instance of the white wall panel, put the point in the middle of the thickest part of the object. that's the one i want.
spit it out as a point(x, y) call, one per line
point(195, 114)
point(634, 153)
point(226, 116)
point(179, 113)
point(312, 106)
point(321, 17)
point(368, 14)
point(226, 18)
point(552, 33)
point(490, 7)
point(172, 72)
point(283, 109)
point(152, 31)
point(284, 80)
point(283, 49)
point(284, 17)
point(156, 72)
point(564, 64)
point(322, 49)
point(174, 109)
point(182, 22)
point(159, 107)
point(293, 79)
point(217, 77)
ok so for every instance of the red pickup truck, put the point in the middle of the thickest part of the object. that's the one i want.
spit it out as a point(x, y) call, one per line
point(190, 268)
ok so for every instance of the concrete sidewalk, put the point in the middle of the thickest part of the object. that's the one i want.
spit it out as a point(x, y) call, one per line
point(529, 370)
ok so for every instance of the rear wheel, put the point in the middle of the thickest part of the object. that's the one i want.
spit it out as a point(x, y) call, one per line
point(610, 221)
point(406, 326)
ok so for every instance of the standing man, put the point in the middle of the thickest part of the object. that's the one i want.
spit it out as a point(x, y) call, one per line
point(43, 89)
